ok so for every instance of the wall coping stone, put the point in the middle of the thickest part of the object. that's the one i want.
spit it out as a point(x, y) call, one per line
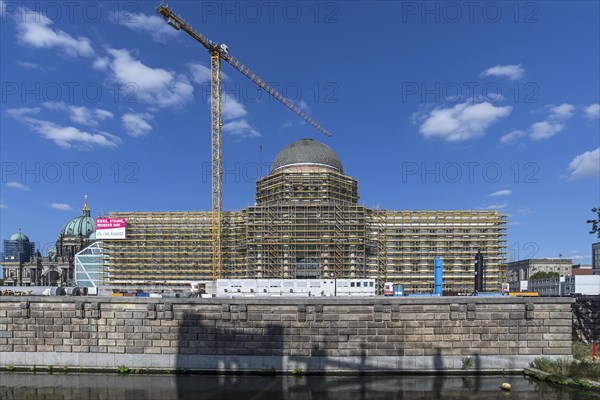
point(293, 301)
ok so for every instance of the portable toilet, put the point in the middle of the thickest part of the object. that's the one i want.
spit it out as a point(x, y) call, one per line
point(398, 290)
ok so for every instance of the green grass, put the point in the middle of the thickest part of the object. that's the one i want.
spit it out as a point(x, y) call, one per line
point(582, 352)
point(467, 363)
point(122, 369)
point(298, 372)
point(580, 367)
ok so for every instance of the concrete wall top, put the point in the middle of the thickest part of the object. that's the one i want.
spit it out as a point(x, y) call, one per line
point(294, 300)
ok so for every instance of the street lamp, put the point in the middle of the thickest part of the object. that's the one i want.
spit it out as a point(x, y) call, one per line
point(334, 284)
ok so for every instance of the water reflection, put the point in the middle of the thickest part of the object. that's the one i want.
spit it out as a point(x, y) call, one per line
point(24, 386)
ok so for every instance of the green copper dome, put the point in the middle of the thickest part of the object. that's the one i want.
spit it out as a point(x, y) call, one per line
point(83, 226)
point(19, 236)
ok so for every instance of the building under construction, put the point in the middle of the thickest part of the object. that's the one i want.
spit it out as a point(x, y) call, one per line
point(307, 223)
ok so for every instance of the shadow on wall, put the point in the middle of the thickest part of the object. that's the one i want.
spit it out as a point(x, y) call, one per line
point(227, 338)
point(263, 340)
point(586, 319)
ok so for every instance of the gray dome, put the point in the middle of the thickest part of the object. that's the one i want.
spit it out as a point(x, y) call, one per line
point(307, 152)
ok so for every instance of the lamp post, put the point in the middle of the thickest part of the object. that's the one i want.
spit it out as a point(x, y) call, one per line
point(334, 284)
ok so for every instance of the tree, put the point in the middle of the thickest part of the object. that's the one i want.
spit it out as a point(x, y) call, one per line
point(595, 222)
point(543, 275)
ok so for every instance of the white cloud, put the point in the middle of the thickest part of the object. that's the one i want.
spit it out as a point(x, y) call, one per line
point(2, 8)
point(82, 115)
point(231, 108)
point(30, 65)
point(287, 124)
point(512, 137)
point(153, 25)
point(544, 130)
point(22, 112)
point(461, 122)
point(524, 210)
point(136, 124)
point(200, 73)
point(64, 136)
point(554, 123)
point(585, 165)
point(3, 206)
point(240, 128)
point(564, 111)
point(504, 192)
point(155, 86)
point(593, 111)
point(34, 29)
point(100, 63)
point(511, 72)
point(302, 105)
point(61, 206)
point(18, 185)
point(496, 206)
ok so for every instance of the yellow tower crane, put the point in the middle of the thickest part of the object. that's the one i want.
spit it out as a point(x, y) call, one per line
point(218, 52)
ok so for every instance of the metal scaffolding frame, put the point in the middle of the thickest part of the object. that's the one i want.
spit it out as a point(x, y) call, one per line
point(307, 224)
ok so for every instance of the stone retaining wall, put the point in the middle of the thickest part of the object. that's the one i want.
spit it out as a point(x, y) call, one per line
point(586, 319)
point(317, 335)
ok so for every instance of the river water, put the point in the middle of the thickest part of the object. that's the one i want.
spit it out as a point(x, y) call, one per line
point(25, 386)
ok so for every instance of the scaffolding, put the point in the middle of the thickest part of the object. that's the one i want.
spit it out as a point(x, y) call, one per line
point(307, 224)
point(414, 238)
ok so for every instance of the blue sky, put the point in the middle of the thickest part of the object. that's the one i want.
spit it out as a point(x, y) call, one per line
point(432, 105)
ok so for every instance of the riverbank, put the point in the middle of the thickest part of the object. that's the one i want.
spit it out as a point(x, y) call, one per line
point(581, 370)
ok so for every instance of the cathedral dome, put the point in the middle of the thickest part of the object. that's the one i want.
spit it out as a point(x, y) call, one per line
point(307, 152)
point(82, 226)
point(20, 236)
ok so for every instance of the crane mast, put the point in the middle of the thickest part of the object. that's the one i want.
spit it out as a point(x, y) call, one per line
point(217, 53)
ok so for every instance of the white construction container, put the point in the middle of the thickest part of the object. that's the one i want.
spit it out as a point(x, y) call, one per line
point(294, 287)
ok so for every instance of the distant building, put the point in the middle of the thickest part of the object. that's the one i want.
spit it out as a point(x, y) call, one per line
point(21, 264)
point(76, 235)
point(581, 269)
point(18, 248)
point(588, 285)
point(554, 286)
point(596, 258)
point(520, 271)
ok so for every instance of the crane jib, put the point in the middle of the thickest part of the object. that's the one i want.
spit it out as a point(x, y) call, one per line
point(177, 23)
